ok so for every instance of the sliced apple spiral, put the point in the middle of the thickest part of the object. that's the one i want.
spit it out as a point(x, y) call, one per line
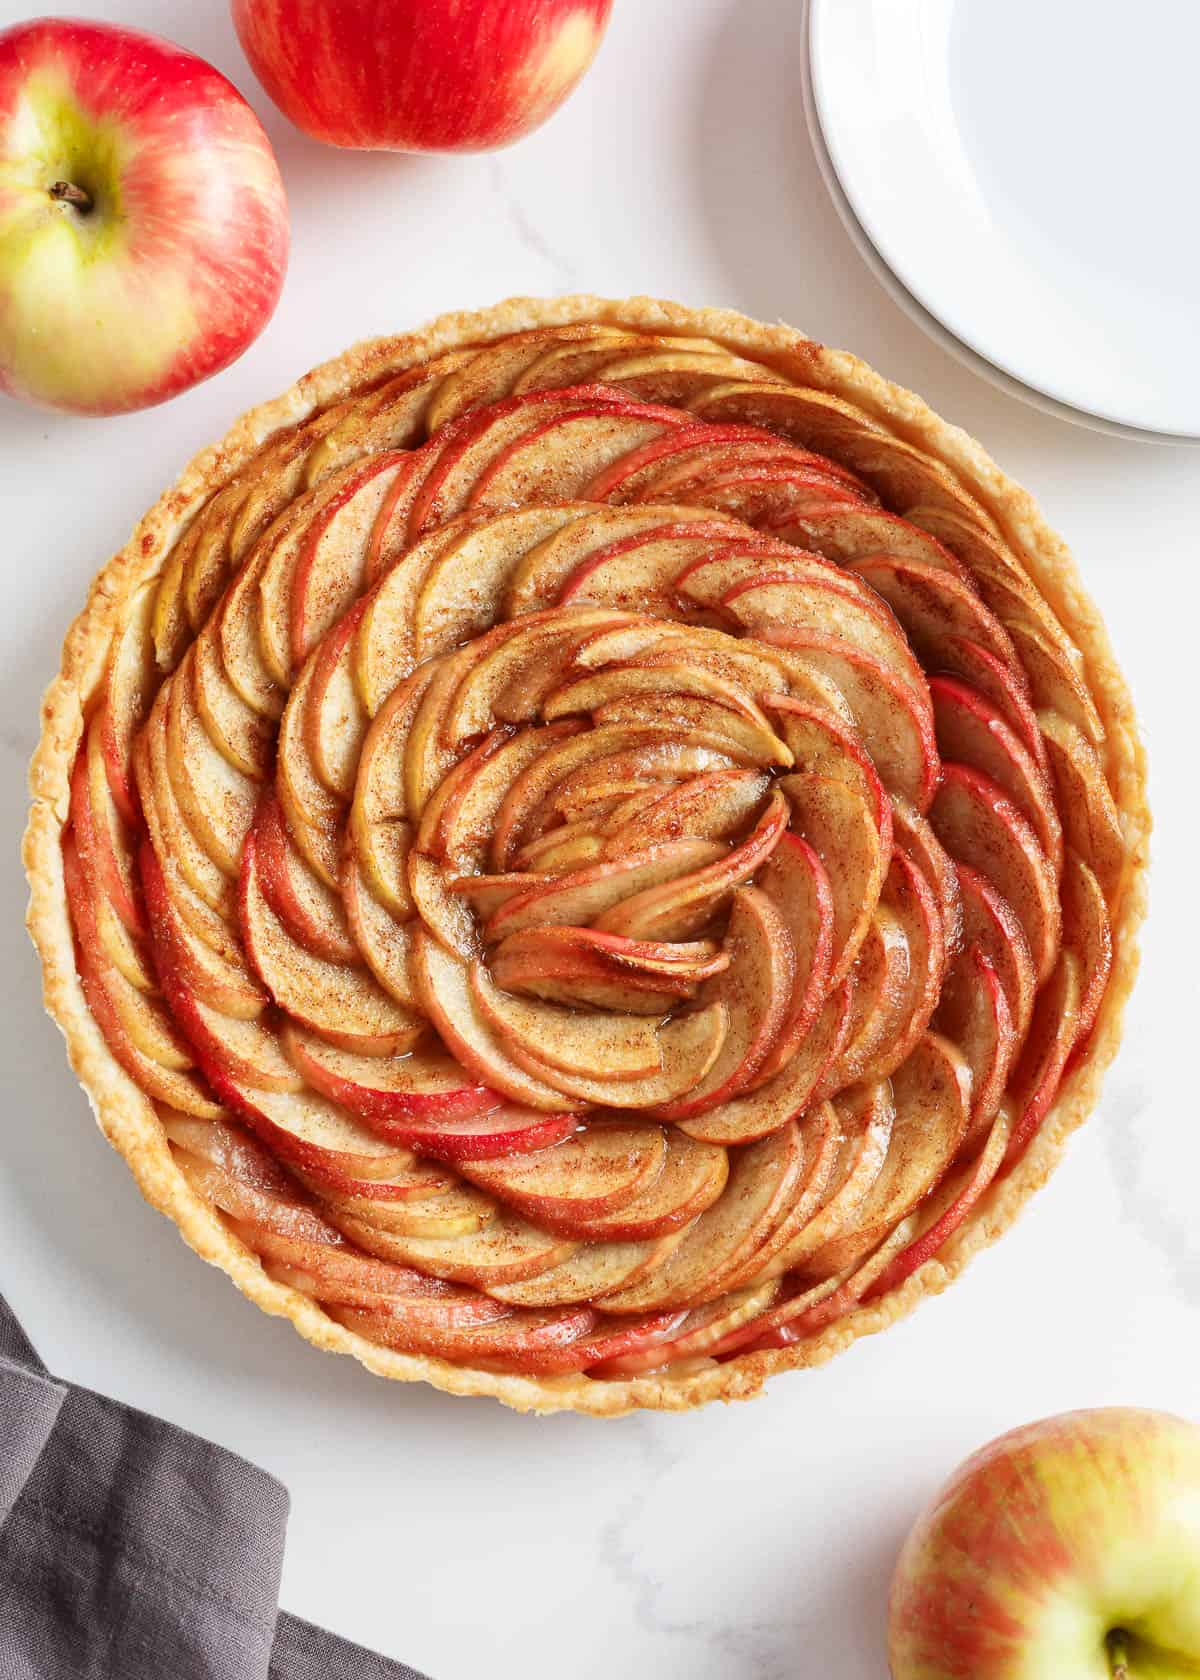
point(599, 853)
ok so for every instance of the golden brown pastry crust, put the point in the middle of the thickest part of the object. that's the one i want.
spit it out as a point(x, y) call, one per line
point(127, 1117)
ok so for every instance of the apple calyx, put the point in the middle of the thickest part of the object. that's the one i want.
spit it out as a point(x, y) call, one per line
point(66, 192)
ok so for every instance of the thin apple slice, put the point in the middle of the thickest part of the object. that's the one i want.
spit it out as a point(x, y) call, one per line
point(676, 374)
point(508, 1130)
point(865, 1116)
point(822, 743)
point(637, 571)
point(979, 825)
point(1087, 930)
point(1054, 682)
point(703, 722)
point(442, 978)
point(689, 1047)
point(180, 1088)
point(598, 423)
point(236, 622)
point(507, 1344)
point(486, 375)
point(379, 794)
point(974, 1014)
point(461, 593)
point(345, 1005)
point(932, 604)
point(306, 800)
point(510, 681)
point(846, 532)
point(384, 648)
point(567, 970)
point(703, 1329)
point(563, 849)
point(653, 642)
point(840, 827)
point(539, 580)
point(383, 943)
point(821, 1136)
point(1006, 688)
point(277, 580)
point(556, 461)
point(311, 913)
point(424, 1085)
point(797, 883)
point(1053, 1032)
point(145, 1021)
point(842, 609)
point(911, 900)
point(220, 977)
point(569, 364)
point(454, 1212)
point(105, 844)
point(588, 693)
point(129, 683)
point(176, 841)
point(878, 983)
point(588, 893)
point(947, 1209)
point(971, 731)
point(758, 494)
point(767, 1107)
point(679, 908)
point(332, 565)
point(507, 1250)
point(913, 833)
point(632, 474)
point(989, 921)
point(314, 1133)
point(893, 720)
point(692, 1179)
point(1089, 812)
point(468, 813)
point(595, 1045)
point(335, 720)
point(535, 787)
point(711, 465)
point(240, 733)
point(744, 563)
point(595, 1173)
point(761, 1181)
point(932, 1092)
point(592, 1270)
point(714, 806)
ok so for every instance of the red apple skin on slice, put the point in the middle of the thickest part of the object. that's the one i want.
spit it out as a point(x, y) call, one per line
point(795, 880)
point(756, 991)
point(979, 825)
point(425, 1086)
point(1052, 1035)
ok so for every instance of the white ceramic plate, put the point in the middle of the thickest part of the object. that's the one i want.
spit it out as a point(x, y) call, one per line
point(1022, 167)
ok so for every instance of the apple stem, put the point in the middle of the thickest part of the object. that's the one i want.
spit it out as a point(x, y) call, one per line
point(1118, 1656)
point(67, 193)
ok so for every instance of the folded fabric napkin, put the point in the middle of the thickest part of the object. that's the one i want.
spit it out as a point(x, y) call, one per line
point(132, 1550)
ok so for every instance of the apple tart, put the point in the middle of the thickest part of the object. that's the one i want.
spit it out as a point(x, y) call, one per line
point(589, 854)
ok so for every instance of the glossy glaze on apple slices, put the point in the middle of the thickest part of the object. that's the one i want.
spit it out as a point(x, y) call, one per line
point(600, 854)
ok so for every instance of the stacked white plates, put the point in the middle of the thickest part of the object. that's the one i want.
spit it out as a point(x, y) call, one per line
point(1019, 174)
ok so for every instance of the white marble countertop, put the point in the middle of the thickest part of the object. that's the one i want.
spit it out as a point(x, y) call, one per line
point(740, 1544)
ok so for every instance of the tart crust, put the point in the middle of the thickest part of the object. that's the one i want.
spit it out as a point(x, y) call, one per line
point(127, 1117)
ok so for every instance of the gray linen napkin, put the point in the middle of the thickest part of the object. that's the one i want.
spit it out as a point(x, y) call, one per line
point(132, 1550)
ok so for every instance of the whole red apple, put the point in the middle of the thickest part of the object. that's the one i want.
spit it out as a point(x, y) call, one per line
point(420, 75)
point(143, 223)
point(1066, 1550)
